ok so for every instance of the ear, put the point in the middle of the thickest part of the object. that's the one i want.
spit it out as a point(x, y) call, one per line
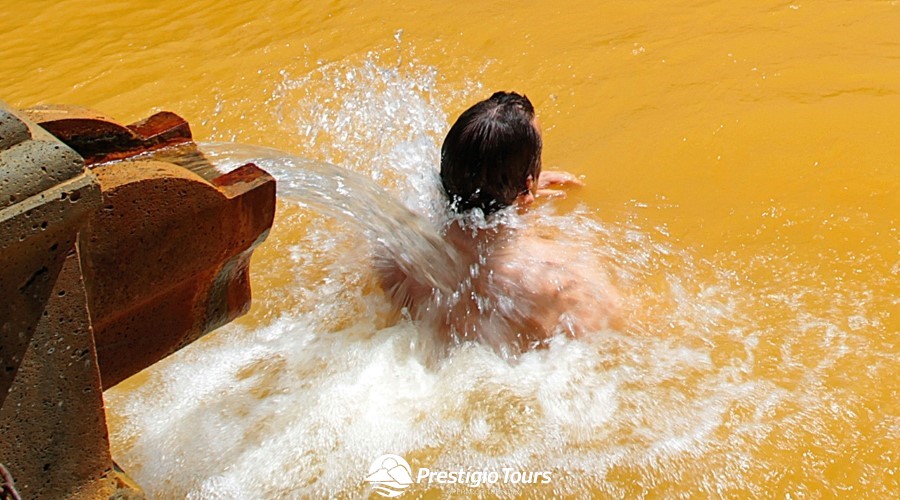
point(527, 197)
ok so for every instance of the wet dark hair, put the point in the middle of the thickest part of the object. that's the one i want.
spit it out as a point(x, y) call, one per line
point(489, 153)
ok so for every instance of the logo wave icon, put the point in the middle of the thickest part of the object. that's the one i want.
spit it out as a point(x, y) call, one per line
point(390, 475)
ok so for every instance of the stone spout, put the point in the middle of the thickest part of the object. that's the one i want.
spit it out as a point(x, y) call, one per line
point(109, 261)
point(167, 252)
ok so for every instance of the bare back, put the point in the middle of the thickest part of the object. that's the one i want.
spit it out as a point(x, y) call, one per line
point(514, 291)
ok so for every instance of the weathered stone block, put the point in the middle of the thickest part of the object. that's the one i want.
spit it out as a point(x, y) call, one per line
point(53, 436)
point(53, 421)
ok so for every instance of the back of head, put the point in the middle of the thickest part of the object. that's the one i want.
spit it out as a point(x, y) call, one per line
point(490, 152)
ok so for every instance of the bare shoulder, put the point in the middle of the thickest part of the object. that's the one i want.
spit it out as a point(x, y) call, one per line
point(571, 290)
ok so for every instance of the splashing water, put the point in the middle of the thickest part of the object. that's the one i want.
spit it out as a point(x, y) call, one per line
point(477, 282)
point(703, 390)
point(408, 239)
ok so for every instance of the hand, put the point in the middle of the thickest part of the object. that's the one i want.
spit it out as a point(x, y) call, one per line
point(557, 178)
point(550, 193)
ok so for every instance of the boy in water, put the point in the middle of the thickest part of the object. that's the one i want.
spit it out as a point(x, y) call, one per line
point(515, 289)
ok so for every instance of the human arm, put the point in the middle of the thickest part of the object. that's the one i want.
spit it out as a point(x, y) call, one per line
point(556, 178)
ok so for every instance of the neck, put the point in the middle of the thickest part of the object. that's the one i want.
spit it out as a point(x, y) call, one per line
point(478, 241)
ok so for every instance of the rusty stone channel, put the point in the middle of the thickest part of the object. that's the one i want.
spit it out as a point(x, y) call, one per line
point(109, 262)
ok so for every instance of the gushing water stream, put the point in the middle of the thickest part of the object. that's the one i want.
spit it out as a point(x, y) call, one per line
point(409, 239)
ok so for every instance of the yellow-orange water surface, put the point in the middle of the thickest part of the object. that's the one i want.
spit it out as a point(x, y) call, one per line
point(742, 169)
